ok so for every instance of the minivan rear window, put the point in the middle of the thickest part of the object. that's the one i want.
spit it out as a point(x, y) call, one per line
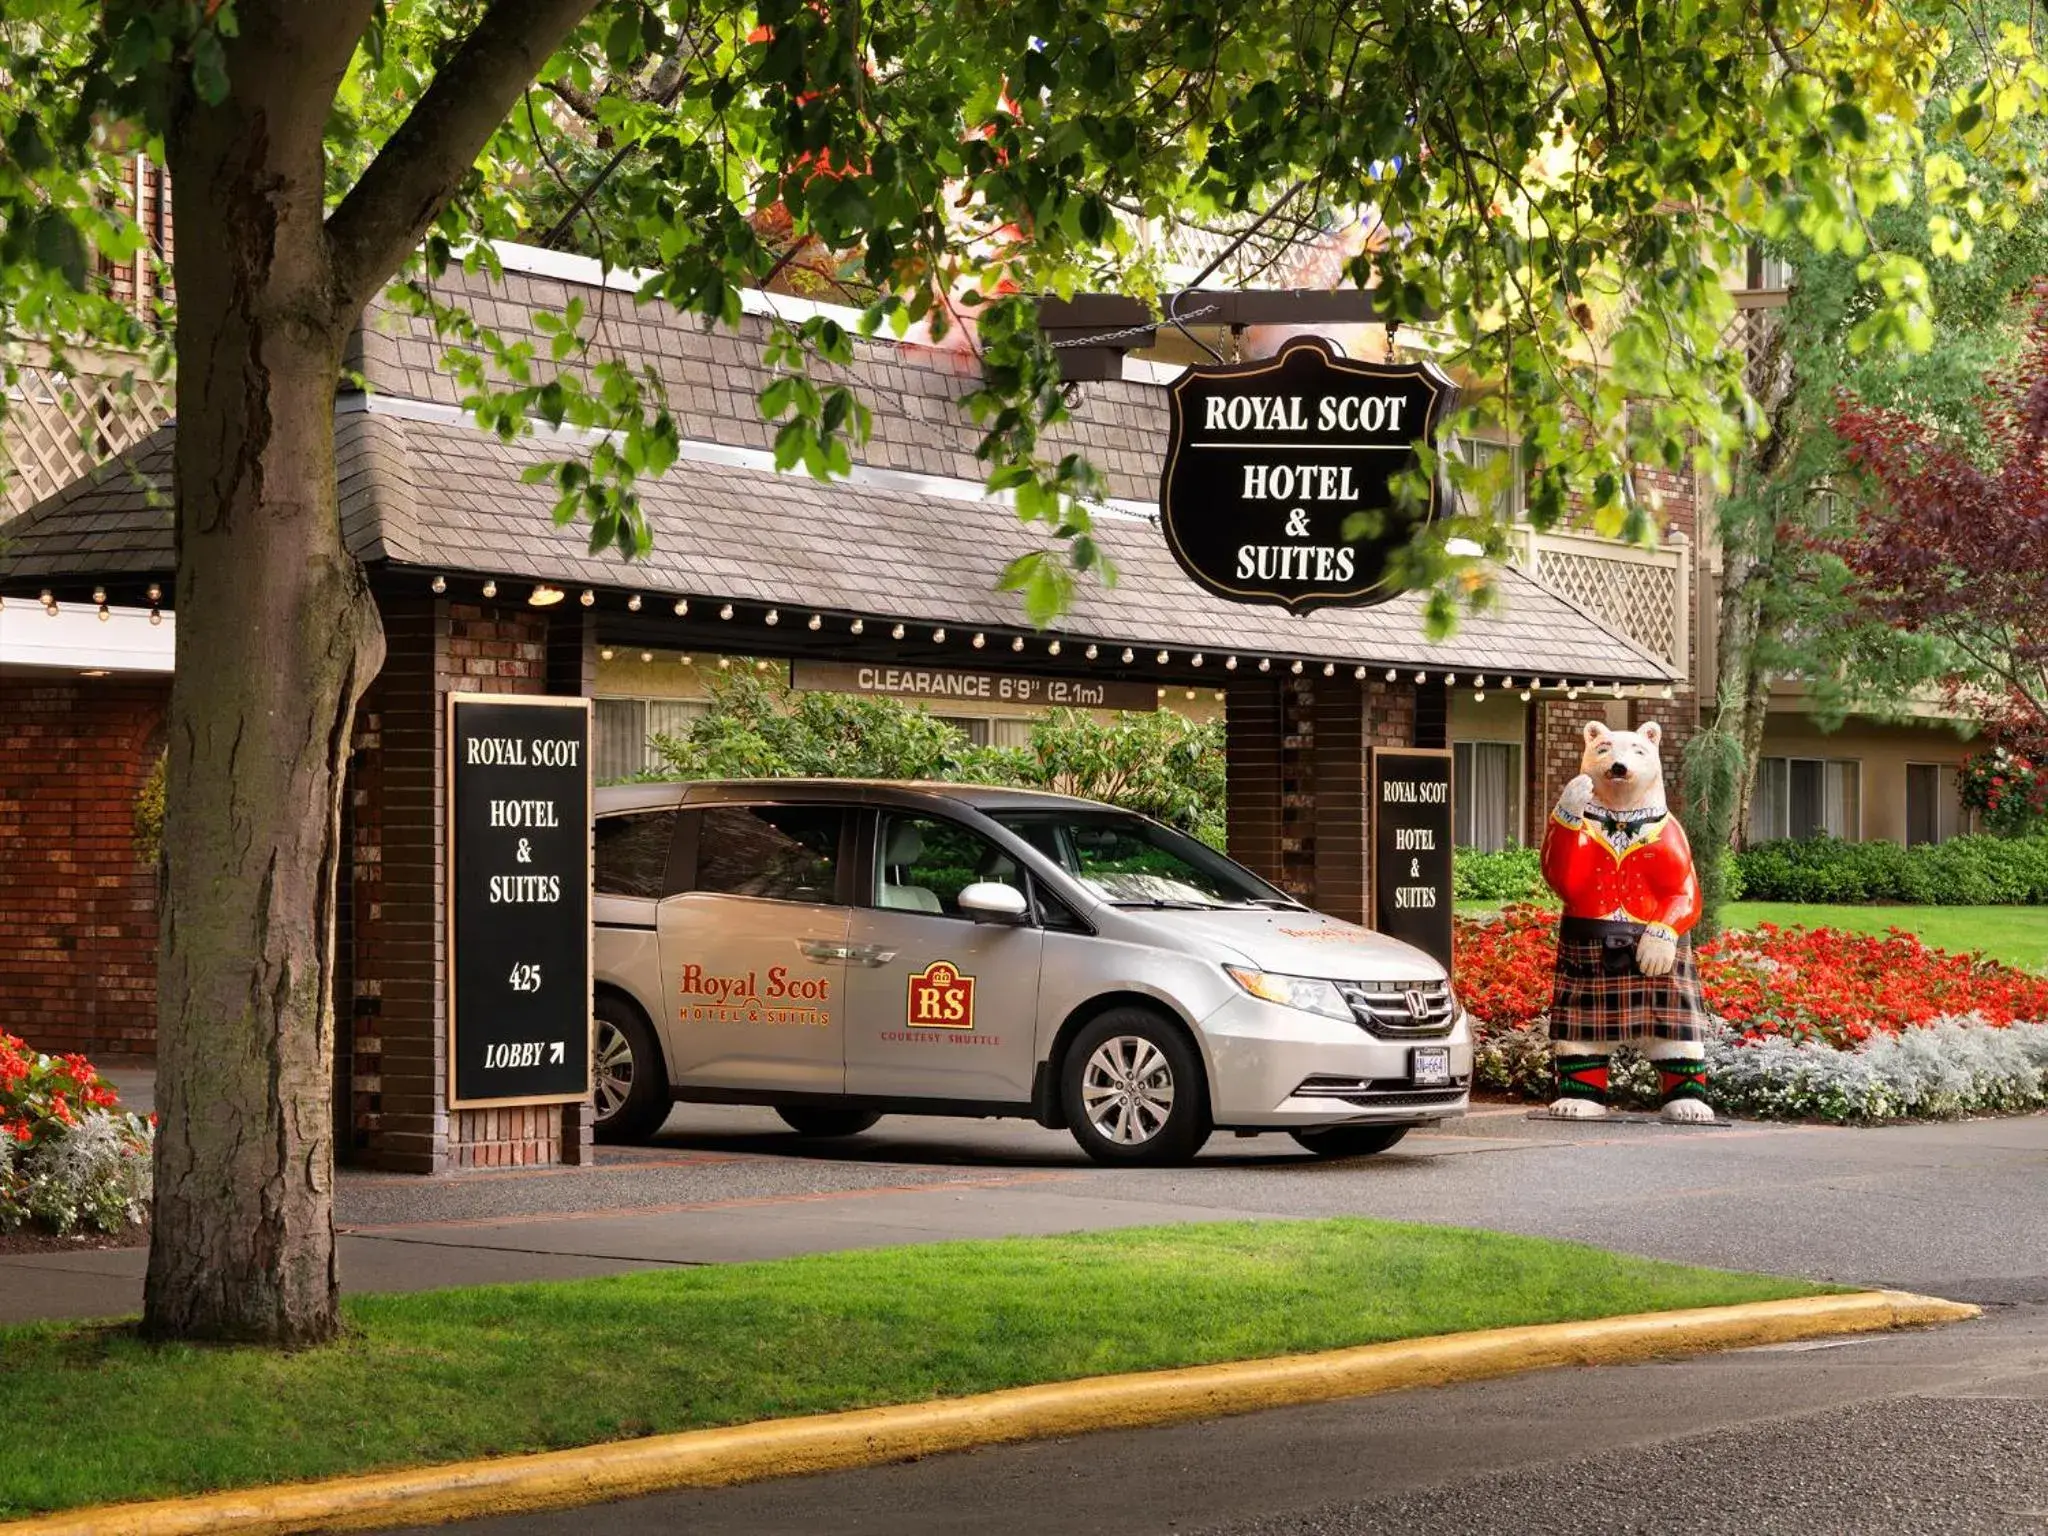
point(632, 853)
point(780, 852)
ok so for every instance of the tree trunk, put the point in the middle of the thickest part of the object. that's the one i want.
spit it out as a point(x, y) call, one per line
point(277, 637)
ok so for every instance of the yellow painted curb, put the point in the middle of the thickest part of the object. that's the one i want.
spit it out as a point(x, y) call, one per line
point(869, 1436)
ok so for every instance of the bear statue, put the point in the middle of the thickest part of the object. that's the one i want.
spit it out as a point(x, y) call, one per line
point(1624, 975)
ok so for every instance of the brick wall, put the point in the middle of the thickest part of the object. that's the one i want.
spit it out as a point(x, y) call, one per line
point(1296, 757)
point(77, 903)
point(395, 915)
point(1557, 730)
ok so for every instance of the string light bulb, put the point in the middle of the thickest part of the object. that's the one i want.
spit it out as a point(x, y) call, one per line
point(1392, 675)
point(490, 589)
point(605, 654)
point(772, 617)
point(725, 611)
point(1421, 677)
point(939, 635)
point(49, 602)
point(545, 596)
point(682, 607)
point(1572, 694)
point(646, 656)
point(440, 585)
point(1265, 663)
point(1525, 695)
point(1230, 664)
point(633, 603)
point(156, 615)
point(724, 662)
point(1017, 643)
point(1358, 675)
point(817, 622)
point(1478, 695)
point(1090, 653)
point(896, 633)
point(1160, 658)
point(1296, 668)
point(1670, 692)
point(979, 640)
point(156, 593)
point(1195, 660)
point(1450, 679)
point(1128, 657)
point(858, 626)
point(1329, 669)
point(1053, 649)
point(1191, 693)
point(588, 599)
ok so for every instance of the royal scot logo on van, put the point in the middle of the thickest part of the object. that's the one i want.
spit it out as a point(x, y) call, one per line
point(1278, 485)
point(941, 998)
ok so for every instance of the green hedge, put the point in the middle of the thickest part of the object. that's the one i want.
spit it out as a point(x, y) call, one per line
point(1963, 872)
point(1513, 874)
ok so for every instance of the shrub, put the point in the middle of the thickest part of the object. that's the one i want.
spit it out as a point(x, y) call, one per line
point(1512, 874)
point(1965, 871)
point(70, 1158)
point(1156, 762)
point(149, 813)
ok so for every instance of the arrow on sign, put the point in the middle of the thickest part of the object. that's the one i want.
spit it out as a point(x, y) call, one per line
point(555, 1051)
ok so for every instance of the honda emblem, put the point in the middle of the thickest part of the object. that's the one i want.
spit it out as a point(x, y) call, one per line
point(1418, 1003)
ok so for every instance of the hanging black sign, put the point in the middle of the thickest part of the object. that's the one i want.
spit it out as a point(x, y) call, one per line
point(1267, 461)
point(1411, 847)
point(519, 898)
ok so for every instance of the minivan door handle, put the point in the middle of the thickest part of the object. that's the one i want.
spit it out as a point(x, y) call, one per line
point(827, 949)
point(869, 954)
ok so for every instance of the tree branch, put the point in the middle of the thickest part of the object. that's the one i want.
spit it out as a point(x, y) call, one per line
point(420, 166)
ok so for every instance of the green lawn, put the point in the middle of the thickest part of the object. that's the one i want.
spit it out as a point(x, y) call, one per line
point(93, 1415)
point(2016, 935)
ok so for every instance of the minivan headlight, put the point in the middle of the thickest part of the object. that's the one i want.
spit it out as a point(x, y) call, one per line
point(1303, 992)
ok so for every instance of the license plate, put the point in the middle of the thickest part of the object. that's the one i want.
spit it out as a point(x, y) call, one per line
point(1430, 1065)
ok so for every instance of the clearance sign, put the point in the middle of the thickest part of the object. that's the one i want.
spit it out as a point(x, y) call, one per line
point(1278, 486)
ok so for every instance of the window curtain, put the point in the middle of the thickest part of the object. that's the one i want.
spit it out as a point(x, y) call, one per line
point(1488, 786)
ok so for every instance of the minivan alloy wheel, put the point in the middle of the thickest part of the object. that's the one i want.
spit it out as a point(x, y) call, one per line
point(1127, 1089)
point(612, 1079)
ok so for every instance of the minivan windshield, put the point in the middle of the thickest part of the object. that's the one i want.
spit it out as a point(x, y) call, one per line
point(1132, 862)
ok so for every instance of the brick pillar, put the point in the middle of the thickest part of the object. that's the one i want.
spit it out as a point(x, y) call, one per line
point(572, 673)
point(1251, 735)
point(1343, 820)
point(396, 909)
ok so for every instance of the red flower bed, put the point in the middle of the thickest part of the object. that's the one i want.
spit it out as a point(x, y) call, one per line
point(1818, 983)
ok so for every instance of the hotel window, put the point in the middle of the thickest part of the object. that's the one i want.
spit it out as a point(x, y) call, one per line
point(1480, 454)
point(1807, 797)
point(1486, 794)
point(973, 727)
point(1934, 805)
point(626, 729)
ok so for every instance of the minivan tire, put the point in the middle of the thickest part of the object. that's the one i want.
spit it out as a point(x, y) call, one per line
point(807, 1120)
point(1134, 1050)
point(639, 1114)
point(1350, 1140)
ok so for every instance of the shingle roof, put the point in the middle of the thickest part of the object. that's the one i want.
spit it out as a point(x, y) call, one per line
point(443, 495)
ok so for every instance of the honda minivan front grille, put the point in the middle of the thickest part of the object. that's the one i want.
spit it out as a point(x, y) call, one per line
point(1402, 1010)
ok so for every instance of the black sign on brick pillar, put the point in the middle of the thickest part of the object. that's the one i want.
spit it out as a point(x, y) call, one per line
point(1278, 485)
point(1411, 847)
point(519, 892)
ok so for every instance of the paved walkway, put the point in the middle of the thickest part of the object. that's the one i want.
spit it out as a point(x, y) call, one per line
point(1956, 1209)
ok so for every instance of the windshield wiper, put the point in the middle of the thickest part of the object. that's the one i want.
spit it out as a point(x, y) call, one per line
point(1158, 904)
point(1277, 903)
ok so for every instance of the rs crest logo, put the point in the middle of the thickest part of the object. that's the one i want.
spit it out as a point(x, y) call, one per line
point(941, 998)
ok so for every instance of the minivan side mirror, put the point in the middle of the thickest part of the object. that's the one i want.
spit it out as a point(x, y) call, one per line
point(990, 901)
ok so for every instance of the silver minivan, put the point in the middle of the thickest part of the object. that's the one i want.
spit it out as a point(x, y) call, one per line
point(843, 950)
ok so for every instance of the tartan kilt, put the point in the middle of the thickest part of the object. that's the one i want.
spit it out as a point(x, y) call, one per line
point(1595, 998)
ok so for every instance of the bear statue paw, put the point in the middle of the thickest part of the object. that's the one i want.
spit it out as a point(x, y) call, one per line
point(1577, 1109)
point(1688, 1112)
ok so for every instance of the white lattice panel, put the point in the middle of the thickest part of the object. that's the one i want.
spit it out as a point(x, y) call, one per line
point(1638, 598)
point(57, 427)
